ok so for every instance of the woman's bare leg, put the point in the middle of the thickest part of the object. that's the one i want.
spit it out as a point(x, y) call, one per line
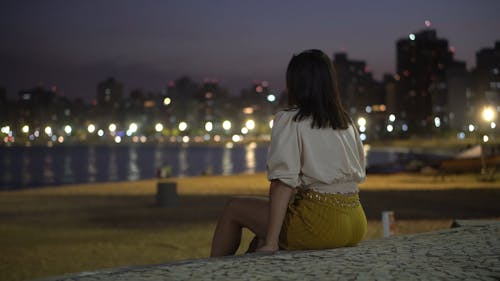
point(251, 213)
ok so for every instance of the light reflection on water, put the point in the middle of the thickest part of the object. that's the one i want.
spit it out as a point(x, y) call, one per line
point(22, 167)
point(68, 176)
point(7, 176)
point(158, 157)
point(48, 169)
point(133, 169)
point(91, 165)
point(250, 157)
point(112, 166)
point(227, 164)
point(25, 171)
point(183, 163)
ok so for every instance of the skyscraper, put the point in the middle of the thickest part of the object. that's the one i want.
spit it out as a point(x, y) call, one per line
point(459, 94)
point(357, 87)
point(486, 76)
point(361, 95)
point(109, 93)
point(422, 61)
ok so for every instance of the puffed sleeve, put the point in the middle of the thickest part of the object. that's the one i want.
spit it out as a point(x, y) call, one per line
point(361, 153)
point(283, 157)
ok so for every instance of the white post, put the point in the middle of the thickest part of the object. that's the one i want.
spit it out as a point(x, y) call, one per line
point(388, 223)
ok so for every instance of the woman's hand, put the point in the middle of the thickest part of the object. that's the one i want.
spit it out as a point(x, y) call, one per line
point(267, 248)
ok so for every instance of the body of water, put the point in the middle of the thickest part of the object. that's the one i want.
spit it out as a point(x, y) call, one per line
point(26, 167)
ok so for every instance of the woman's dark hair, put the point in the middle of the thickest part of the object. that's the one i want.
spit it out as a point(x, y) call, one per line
point(312, 88)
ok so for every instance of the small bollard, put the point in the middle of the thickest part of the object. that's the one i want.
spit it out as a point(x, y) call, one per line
point(166, 194)
point(388, 223)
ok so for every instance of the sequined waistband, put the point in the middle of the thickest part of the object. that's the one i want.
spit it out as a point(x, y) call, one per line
point(339, 200)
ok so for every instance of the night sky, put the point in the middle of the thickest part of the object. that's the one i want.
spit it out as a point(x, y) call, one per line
point(144, 44)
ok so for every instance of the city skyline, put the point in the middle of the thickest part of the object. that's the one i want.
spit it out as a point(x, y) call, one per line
point(148, 44)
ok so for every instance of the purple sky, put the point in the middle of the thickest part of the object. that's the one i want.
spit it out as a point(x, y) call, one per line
point(145, 43)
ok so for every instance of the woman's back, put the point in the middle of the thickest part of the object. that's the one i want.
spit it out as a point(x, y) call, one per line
point(322, 159)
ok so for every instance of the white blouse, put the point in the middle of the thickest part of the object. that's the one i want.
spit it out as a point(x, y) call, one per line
point(325, 160)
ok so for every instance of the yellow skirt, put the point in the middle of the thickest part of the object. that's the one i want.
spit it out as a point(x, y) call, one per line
point(322, 221)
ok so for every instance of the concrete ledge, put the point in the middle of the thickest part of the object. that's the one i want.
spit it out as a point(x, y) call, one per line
point(470, 251)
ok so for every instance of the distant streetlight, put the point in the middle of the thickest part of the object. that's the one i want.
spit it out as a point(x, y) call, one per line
point(437, 122)
point(250, 124)
point(244, 130)
point(112, 127)
point(48, 131)
point(209, 126)
point(183, 126)
point(5, 129)
point(236, 138)
point(133, 127)
point(392, 117)
point(361, 121)
point(91, 128)
point(158, 127)
point(167, 101)
point(68, 129)
point(271, 98)
point(271, 124)
point(390, 128)
point(471, 128)
point(26, 129)
point(226, 125)
point(488, 114)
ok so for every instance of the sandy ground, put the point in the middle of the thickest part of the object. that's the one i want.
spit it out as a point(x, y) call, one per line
point(56, 230)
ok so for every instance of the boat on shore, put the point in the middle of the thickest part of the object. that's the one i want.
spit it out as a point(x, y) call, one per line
point(474, 159)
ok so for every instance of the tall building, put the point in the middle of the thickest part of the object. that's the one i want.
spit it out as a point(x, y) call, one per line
point(357, 87)
point(211, 100)
point(459, 95)
point(37, 106)
point(109, 93)
point(486, 76)
point(422, 61)
point(258, 102)
point(3, 104)
point(180, 95)
point(361, 95)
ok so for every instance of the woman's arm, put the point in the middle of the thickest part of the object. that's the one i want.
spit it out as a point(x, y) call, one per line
point(279, 197)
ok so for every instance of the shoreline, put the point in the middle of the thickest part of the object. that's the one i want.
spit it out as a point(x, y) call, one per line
point(400, 181)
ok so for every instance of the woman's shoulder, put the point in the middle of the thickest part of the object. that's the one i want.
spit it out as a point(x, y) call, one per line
point(288, 113)
point(284, 119)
